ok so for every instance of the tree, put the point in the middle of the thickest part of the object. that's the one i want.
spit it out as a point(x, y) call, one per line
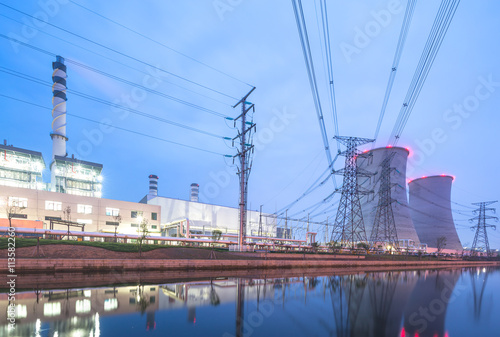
point(118, 220)
point(143, 232)
point(440, 243)
point(314, 246)
point(67, 213)
point(333, 245)
point(216, 235)
point(363, 245)
point(12, 208)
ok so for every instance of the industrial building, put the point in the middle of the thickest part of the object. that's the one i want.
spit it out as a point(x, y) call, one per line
point(370, 162)
point(430, 208)
point(76, 185)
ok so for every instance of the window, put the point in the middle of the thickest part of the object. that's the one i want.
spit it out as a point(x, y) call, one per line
point(112, 223)
point(110, 304)
point(134, 225)
point(154, 216)
point(52, 309)
point(154, 227)
point(83, 306)
point(84, 209)
point(53, 205)
point(112, 211)
point(18, 202)
point(21, 311)
point(135, 214)
point(84, 221)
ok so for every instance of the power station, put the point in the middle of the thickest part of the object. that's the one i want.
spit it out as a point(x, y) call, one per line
point(416, 224)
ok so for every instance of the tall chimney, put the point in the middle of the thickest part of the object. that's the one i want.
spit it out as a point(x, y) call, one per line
point(59, 108)
point(58, 133)
point(195, 188)
point(153, 184)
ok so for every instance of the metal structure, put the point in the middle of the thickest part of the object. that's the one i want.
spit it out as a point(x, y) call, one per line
point(430, 209)
point(481, 237)
point(384, 227)
point(245, 137)
point(21, 168)
point(349, 225)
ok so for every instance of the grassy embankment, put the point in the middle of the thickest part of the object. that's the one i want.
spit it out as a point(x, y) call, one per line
point(113, 246)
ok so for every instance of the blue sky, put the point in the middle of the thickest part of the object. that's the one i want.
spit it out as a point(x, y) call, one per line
point(257, 43)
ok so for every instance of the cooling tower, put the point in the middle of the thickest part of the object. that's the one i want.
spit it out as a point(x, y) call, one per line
point(371, 161)
point(430, 208)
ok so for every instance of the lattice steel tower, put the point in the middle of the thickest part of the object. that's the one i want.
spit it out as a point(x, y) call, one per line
point(349, 226)
point(481, 237)
point(384, 226)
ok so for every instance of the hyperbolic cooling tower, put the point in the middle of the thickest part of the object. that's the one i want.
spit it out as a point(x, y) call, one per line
point(430, 207)
point(371, 161)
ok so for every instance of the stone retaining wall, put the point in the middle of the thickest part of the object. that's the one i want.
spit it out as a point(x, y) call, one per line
point(96, 265)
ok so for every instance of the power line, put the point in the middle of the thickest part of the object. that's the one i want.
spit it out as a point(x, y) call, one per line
point(306, 49)
point(159, 43)
point(410, 7)
point(118, 52)
point(107, 58)
point(114, 105)
point(120, 128)
point(178, 100)
point(441, 24)
point(328, 51)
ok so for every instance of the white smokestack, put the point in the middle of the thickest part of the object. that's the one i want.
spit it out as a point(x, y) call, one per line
point(59, 108)
point(153, 184)
point(195, 189)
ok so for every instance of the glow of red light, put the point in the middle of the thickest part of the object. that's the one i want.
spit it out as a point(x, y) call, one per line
point(416, 334)
point(194, 321)
point(389, 146)
point(446, 334)
point(403, 332)
point(424, 177)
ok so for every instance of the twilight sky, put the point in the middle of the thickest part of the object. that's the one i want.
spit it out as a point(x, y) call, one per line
point(451, 129)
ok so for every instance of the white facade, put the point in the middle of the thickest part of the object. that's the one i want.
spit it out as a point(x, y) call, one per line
point(204, 218)
point(98, 215)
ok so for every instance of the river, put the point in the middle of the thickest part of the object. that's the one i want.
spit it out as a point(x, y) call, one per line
point(438, 302)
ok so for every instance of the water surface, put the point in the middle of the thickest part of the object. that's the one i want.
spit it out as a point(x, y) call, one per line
point(453, 302)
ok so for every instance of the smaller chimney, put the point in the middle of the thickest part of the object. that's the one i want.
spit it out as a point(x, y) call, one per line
point(153, 184)
point(5, 142)
point(195, 189)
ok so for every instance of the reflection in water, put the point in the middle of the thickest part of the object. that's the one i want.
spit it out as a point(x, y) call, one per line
point(396, 303)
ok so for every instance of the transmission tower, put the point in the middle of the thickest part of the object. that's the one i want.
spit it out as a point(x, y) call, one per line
point(349, 226)
point(245, 151)
point(384, 227)
point(481, 237)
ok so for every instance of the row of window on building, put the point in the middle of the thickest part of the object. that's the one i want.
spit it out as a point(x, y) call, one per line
point(80, 208)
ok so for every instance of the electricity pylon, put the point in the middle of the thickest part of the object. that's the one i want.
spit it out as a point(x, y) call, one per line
point(481, 237)
point(349, 226)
